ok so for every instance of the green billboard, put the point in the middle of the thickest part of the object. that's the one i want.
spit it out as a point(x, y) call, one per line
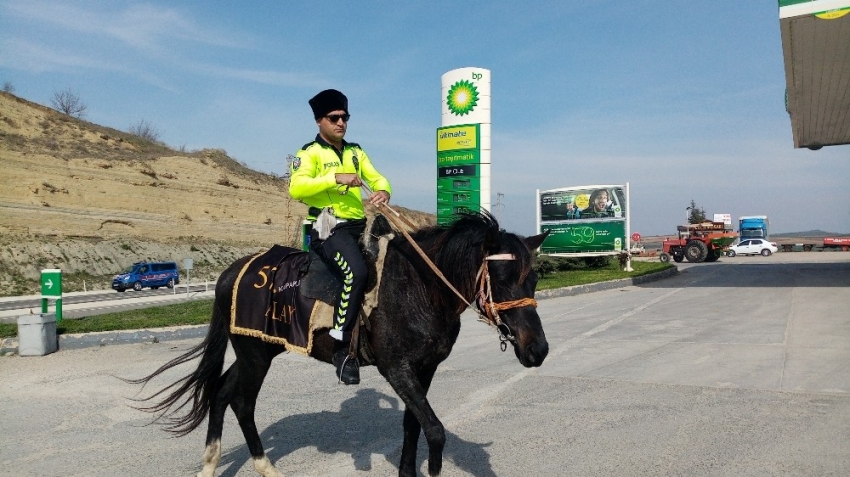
point(584, 220)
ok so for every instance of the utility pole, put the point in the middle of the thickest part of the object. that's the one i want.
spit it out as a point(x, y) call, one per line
point(499, 206)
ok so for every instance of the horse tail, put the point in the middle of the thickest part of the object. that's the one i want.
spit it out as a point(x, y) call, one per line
point(197, 388)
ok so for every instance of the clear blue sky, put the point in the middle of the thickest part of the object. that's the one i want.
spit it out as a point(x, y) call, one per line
point(682, 99)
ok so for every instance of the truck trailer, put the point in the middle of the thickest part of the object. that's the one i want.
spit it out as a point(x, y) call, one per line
point(840, 244)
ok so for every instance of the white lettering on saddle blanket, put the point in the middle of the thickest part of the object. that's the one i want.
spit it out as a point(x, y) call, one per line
point(288, 285)
point(279, 311)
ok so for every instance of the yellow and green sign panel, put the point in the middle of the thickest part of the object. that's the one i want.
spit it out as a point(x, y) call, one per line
point(454, 138)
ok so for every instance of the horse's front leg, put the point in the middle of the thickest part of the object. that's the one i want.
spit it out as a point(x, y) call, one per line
point(412, 428)
point(418, 414)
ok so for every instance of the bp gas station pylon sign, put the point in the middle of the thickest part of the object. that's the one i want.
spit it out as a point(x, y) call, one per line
point(463, 144)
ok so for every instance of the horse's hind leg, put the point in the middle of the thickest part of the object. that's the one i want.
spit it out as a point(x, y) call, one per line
point(218, 405)
point(251, 373)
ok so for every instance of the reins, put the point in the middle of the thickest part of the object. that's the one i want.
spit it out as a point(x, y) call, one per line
point(487, 309)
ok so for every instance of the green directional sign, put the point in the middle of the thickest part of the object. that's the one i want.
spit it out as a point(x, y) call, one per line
point(51, 282)
point(51, 287)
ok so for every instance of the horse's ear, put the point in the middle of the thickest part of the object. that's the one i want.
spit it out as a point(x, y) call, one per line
point(533, 242)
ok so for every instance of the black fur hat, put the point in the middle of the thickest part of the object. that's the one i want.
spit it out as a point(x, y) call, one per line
point(327, 101)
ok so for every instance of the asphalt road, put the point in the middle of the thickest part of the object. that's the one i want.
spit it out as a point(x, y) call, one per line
point(736, 368)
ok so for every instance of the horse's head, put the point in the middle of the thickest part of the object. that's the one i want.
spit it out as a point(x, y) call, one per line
point(506, 295)
point(493, 266)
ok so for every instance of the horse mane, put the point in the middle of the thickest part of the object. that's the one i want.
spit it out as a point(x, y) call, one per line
point(459, 249)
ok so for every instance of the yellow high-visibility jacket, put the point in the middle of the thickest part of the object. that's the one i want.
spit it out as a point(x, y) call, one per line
point(313, 180)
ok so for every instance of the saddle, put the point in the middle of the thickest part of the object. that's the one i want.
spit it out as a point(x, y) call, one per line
point(286, 296)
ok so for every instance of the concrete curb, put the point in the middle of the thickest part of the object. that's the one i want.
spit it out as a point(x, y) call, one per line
point(157, 335)
point(9, 346)
point(609, 285)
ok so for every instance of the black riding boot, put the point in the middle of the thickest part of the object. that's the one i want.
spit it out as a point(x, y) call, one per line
point(347, 368)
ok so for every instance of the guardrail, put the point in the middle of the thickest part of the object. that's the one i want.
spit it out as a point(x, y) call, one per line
point(207, 287)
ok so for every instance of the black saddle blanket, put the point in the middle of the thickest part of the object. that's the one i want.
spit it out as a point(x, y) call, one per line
point(267, 302)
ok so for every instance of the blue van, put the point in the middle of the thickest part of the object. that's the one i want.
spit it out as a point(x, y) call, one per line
point(147, 274)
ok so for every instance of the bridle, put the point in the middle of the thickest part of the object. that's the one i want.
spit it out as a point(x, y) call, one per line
point(488, 309)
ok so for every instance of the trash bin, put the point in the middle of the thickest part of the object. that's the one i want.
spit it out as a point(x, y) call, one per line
point(37, 334)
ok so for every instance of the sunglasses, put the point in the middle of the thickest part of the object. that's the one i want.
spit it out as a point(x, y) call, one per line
point(334, 118)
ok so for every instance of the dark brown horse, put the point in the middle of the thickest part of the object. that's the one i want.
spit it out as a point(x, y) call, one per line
point(410, 332)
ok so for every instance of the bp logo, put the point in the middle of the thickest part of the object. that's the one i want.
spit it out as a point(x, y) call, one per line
point(463, 97)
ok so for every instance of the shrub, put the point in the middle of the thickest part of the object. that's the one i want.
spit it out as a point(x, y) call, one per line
point(544, 265)
point(145, 130)
point(69, 103)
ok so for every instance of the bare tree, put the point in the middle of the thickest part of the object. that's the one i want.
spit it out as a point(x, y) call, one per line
point(145, 130)
point(69, 103)
point(8, 87)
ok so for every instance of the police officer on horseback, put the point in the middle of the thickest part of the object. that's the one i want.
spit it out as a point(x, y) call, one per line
point(326, 175)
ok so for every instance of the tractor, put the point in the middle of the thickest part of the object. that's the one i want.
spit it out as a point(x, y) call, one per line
point(703, 242)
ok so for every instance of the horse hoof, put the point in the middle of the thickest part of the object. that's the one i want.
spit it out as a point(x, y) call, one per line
point(206, 473)
point(265, 468)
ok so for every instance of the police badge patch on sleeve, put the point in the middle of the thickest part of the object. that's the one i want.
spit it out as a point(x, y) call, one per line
point(296, 162)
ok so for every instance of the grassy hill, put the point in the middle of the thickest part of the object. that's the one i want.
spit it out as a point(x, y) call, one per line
point(91, 200)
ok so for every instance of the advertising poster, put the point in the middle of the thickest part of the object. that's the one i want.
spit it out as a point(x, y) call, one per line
point(586, 220)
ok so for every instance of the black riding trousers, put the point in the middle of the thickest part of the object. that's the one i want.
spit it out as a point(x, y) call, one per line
point(341, 252)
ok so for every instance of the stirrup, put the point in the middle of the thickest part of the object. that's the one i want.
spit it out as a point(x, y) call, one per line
point(347, 368)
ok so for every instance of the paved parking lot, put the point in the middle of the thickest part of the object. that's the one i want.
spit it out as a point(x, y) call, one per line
point(739, 368)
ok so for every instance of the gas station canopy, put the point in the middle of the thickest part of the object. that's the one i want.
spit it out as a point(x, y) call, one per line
point(816, 49)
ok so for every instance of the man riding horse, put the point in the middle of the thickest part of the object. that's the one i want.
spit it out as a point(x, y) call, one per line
point(322, 175)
